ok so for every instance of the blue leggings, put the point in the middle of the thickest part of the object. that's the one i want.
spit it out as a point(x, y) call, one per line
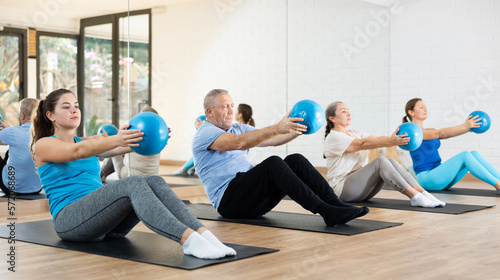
point(453, 170)
point(188, 164)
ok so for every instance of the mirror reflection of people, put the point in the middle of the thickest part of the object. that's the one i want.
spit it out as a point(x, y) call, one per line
point(244, 114)
point(188, 168)
point(349, 173)
point(23, 178)
point(237, 188)
point(131, 164)
point(83, 209)
point(432, 174)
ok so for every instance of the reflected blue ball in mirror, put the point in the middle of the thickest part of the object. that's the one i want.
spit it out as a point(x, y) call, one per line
point(109, 128)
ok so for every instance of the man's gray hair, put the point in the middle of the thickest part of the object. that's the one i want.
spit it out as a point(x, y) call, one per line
point(210, 98)
point(27, 105)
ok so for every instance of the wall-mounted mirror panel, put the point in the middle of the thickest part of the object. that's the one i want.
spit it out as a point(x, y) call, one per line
point(134, 65)
point(337, 51)
point(270, 54)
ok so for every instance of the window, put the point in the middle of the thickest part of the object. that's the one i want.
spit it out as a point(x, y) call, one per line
point(57, 62)
point(13, 54)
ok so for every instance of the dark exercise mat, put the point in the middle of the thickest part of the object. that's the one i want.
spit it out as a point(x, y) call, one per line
point(181, 175)
point(292, 221)
point(181, 185)
point(399, 204)
point(136, 246)
point(460, 191)
point(463, 191)
point(26, 196)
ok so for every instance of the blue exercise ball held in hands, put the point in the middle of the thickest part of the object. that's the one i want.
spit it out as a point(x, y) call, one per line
point(109, 128)
point(414, 132)
point(155, 130)
point(485, 122)
point(311, 112)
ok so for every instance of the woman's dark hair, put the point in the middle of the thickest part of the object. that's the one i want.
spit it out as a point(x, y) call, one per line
point(246, 113)
point(42, 126)
point(330, 111)
point(410, 105)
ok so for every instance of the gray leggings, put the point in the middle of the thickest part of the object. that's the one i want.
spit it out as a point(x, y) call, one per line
point(115, 208)
point(366, 182)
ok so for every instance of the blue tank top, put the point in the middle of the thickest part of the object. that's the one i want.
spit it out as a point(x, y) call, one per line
point(66, 182)
point(426, 157)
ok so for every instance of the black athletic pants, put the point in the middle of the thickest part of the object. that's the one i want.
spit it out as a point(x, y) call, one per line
point(255, 192)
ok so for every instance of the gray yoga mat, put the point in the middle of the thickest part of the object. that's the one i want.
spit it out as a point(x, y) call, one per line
point(292, 221)
point(464, 191)
point(399, 204)
point(137, 246)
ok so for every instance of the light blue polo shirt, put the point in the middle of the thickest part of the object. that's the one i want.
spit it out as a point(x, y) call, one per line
point(215, 168)
point(26, 178)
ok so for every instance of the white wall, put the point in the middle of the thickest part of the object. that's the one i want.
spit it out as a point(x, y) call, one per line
point(338, 51)
point(447, 52)
point(196, 49)
point(269, 54)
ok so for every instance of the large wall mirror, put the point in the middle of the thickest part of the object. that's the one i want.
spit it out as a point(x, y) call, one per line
point(271, 54)
point(374, 55)
point(114, 72)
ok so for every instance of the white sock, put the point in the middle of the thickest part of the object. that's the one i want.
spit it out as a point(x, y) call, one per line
point(422, 201)
point(210, 237)
point(180, 171)
point(199, 247)
point(433, 198)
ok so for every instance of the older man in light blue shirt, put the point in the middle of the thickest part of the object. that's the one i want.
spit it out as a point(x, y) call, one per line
point(19, 174)
point(237, 189)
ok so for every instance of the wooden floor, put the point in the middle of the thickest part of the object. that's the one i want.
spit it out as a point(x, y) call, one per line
point(426, 246)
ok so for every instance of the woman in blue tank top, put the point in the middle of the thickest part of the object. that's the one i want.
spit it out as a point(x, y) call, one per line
point(431, 173)
point(84, 210)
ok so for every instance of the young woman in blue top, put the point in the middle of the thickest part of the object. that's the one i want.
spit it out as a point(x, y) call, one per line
point(431, 173)
point(84, 210)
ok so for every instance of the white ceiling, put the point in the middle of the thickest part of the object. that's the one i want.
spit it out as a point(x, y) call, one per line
point(77, 9)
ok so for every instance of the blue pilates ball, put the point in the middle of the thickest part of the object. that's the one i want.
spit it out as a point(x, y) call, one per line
point(311, 112)
point(485, 122)
point(155, 130)
point(414, 132)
